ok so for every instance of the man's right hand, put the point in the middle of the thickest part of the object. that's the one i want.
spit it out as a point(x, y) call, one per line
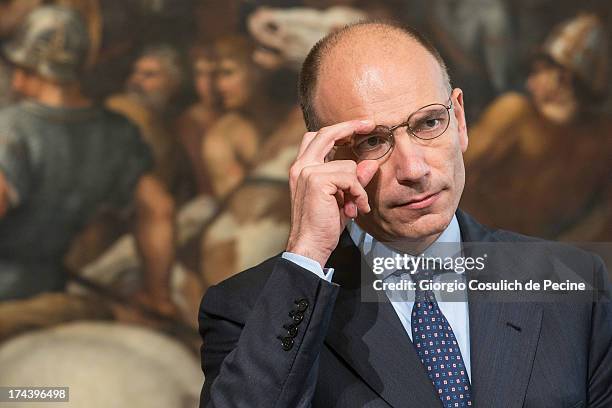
point(325, 195)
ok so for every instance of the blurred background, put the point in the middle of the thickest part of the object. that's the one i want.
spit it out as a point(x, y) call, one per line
point(145, 146)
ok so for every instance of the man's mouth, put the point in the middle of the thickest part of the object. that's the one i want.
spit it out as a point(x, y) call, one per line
point(420, 202)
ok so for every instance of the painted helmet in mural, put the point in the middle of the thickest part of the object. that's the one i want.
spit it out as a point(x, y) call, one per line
point(581, 46)
point(53, 42)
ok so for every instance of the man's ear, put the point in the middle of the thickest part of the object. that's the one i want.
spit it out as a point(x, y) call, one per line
point(459, 112)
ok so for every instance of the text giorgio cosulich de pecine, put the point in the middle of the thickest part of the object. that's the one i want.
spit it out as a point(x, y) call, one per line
point(413, 264)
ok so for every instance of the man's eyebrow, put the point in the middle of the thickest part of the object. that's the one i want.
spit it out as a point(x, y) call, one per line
point(427, 108)
point(399, 124)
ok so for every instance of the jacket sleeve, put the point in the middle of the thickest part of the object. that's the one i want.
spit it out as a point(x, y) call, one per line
point(264, 359)
point(600, 350)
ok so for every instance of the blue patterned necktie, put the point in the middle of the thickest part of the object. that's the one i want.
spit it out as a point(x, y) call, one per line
point(437, 347)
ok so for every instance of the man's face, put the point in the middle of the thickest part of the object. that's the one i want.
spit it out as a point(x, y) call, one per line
point(419, 183)
point(233, 83)
point(204, 69)
point(152, 82)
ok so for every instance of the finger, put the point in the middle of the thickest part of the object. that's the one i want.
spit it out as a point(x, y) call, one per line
point(326, 138)
point(330, 156)
point(359, 203)
point(340, 198)
point(336, 177)
point(359, 197)
point(344, 166)
point(348, 205)
point(366, 170)
point(336, 166)
point(306, 139)
point(350, 209)
point(355, 196)
point(298, 164)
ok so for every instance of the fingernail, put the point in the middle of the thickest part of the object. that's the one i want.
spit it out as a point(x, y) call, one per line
point(366, 122)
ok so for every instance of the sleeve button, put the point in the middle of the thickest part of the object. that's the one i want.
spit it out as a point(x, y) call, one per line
point(287, 343)
point(297, 317)
point(302, 304)
point(292, 330)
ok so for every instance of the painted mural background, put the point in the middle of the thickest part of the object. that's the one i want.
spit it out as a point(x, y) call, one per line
point(161, 169)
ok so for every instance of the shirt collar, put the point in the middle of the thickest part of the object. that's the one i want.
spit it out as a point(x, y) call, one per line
point(370, 248)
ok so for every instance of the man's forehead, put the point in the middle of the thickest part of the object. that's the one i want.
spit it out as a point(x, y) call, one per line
point(369, 80)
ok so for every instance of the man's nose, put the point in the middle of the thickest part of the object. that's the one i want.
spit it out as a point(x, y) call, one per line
point(408, 158)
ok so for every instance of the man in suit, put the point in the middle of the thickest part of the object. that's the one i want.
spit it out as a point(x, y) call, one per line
point(309, 329)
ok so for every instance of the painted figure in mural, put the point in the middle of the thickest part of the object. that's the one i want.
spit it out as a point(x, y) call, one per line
point(475, 37)
point(229, 147)
point(195, 122)
point(151, 101)
point(152, 87)
point(259, 204)
point(13, 14)
point(557, 137)
point(256, 220)
point(62, 158)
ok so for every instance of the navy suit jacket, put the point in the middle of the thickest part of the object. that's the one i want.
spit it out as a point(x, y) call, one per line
point(525, 352)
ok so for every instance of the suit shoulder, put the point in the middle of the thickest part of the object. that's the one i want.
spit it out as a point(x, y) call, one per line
point(555, 247)
point(239, 292)
point(511, 236)
point(559, 255)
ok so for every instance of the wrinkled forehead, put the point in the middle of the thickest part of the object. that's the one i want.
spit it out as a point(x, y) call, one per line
point(377, 81)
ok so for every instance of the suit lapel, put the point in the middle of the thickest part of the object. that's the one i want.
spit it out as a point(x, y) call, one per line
point(370, 338)
point(503, 340)
point(503, 334)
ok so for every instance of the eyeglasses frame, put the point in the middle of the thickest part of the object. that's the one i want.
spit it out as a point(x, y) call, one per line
point(406, 124)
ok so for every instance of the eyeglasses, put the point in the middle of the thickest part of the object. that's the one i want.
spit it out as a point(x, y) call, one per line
point(427, 123)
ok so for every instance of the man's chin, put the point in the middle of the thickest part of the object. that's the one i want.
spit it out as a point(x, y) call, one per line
point(416, 228)
point(421, 228)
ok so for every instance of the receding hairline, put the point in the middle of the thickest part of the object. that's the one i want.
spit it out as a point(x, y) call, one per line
point(315, 61)
point(383, 31)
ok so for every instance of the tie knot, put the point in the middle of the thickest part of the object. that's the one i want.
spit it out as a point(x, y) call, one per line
point(428, 271)
point(422, 274)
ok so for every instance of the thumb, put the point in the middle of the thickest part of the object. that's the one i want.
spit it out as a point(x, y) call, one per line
point(366, 170)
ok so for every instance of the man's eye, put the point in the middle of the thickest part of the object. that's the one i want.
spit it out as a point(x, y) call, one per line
point(428, 124)
point(432, 123)
point(369, 143)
